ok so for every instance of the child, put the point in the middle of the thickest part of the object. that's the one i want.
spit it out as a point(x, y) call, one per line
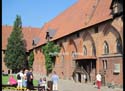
point(44, 83)
point(39, 84)
point(12, 81)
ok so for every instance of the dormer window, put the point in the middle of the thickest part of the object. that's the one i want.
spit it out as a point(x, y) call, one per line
point(50, 34)
point(47, 36)
point(117, 7)
point(35, 41)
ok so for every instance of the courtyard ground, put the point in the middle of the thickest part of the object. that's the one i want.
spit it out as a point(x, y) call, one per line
point(68, 85)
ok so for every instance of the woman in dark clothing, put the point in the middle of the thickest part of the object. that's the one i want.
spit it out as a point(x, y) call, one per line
point(30, 80)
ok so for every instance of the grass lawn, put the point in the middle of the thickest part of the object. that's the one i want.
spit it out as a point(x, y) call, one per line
point(5, 80)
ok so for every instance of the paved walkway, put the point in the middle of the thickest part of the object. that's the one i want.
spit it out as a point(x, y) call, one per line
point(68, 85)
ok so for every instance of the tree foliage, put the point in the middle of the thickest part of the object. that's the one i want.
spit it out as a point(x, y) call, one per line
point(15, 54)
point(50, 50)
point(31, 59)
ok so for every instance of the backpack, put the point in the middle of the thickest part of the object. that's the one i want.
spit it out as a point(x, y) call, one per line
point(18, 77)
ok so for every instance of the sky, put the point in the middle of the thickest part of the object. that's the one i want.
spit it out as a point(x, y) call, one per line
point(34, 13)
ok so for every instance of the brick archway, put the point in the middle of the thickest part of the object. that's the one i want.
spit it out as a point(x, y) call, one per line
point(112, 31)
point(60, 62)
point(71, 47)
point(86, 37)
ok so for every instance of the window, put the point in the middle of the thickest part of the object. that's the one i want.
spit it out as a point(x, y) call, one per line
point(116, 68)
point(104, 64)
point(73, 57)
point(118, 46)
point(77, 35)
point(93, 50)
point(96, 29)
point(74, 54)
point(65, 39)
point(117, 7)
point(106, 48)
point(84, 50)
point(62, 59)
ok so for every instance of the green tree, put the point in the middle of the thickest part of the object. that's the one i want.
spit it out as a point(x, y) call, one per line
point(50, 51)
point(31, 59)
point(15, 55)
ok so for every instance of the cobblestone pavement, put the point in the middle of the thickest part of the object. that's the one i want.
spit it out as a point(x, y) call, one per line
point(68, 85)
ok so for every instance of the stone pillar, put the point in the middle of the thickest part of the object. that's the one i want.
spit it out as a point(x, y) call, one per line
point(97, 65)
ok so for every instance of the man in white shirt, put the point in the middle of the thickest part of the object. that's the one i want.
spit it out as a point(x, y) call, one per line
point(55, 80)
point(20, 79)
point(98, 78)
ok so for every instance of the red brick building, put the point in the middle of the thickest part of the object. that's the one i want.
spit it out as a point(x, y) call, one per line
point(90, 34)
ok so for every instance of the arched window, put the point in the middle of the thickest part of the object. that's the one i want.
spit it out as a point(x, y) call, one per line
point(74, 54)
point(62, 60)
point(93, 50)
point(118, 46)
point(106, 48)
point(104, 64)
point(73, 57)
point(84, 50)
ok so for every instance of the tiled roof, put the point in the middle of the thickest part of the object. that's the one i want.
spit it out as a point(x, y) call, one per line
point(6, 31)
point(28, 33)
point(79, 16)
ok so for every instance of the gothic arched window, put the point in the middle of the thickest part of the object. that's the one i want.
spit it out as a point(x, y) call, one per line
point(73, 57)
point(74, 54)
point(84, 50)
point(93, 50)
point(62, 59)
point(118, 46)
point(106, 48)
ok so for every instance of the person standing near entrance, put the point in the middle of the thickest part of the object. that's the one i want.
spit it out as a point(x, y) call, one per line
point(98, 79)
point(55, 79)
point(85, 78)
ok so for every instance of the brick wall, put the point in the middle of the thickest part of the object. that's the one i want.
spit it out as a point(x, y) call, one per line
point(110, 76)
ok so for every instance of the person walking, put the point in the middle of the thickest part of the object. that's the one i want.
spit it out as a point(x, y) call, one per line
point(25, 79)
point(19, 79)
point(29, 77)
point(98, 79)
point(55, 79)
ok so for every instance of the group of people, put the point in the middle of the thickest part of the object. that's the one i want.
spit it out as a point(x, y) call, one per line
point(24, 79)
point(42, 83)
point(54, 80)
